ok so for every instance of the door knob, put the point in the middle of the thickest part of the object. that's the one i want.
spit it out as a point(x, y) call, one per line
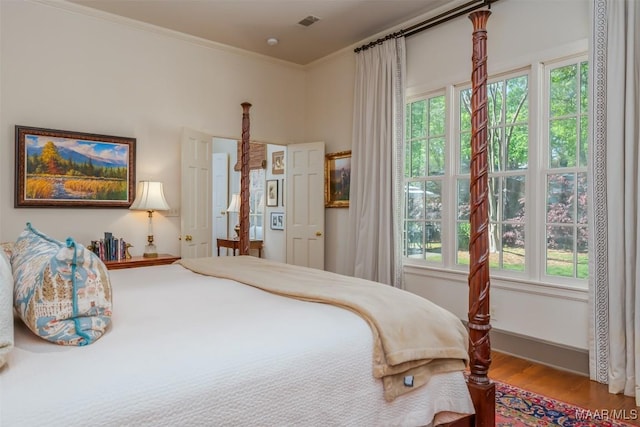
point(188, 237)
point(318, 233)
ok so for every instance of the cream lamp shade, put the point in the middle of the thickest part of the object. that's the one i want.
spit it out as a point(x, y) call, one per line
point(150, 198)
point(234, 206)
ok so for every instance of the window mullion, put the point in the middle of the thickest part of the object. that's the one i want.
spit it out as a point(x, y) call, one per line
point(449, 186)
point(535, 229)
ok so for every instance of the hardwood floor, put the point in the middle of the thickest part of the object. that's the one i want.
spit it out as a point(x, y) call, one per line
point(561, 385)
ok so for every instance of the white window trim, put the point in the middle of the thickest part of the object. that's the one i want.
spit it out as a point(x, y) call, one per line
point(543, 153)
point(535, 243)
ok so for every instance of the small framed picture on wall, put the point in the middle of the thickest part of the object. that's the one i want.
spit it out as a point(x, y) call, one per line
point(337, 178)
point(272, 192)
point(277, 162)
point(277, 220)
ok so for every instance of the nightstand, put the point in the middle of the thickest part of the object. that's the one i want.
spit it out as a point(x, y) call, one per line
point(234, 244)
point(139, 261)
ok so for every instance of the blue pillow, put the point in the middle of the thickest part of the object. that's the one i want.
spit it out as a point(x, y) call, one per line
point(61, 290)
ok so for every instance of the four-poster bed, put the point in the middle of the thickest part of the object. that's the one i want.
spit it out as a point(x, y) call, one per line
point(187, 348)
point(482, 390)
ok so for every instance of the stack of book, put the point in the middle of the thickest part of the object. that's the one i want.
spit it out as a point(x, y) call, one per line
point(110, 248)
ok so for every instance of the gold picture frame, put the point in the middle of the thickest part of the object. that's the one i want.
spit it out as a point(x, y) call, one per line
point(337, 178)
point(277, 162)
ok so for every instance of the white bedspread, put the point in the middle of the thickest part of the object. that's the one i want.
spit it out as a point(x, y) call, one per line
point(186, 349)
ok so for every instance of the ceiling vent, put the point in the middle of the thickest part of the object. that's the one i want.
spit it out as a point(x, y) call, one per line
point(309, 20)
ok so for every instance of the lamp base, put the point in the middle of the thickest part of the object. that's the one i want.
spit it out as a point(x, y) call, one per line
point(150, 251)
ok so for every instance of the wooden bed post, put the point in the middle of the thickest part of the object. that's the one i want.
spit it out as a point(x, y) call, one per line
point(481, 388)
point(244, 181)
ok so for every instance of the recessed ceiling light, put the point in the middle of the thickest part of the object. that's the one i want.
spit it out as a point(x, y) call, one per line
point(272, 41)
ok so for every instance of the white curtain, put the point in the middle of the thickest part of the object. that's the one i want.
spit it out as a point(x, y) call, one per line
point(615, 172)
point(375, 210)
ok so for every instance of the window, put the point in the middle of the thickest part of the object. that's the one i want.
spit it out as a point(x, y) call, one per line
point(565, 171)
point(508, 143)
point(537, 187)
point(424, 171)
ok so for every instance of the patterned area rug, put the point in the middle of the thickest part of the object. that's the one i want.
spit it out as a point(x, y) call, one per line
point(516, 407)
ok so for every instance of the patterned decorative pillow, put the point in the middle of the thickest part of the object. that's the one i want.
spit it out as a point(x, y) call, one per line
point(61, 291)
point(6, 308)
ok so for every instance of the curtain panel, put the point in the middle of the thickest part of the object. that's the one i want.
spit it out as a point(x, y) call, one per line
point(614, 170)
point(375, 205)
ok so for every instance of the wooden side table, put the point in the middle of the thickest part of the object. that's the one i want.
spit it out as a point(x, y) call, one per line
point(234, 244)
point(139, 261)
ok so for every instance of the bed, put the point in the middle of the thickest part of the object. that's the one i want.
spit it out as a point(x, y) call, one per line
point(215, 353)
point(185, 348)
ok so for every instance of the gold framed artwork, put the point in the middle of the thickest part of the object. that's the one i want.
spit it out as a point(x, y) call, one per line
point(337, 178)
point(277, 162)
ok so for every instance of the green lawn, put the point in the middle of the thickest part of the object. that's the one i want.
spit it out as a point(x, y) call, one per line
point(559, 263)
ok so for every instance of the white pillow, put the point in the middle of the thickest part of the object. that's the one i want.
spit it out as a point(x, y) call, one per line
point(6, 308)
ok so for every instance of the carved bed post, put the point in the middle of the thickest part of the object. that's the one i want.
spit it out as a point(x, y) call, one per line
point(244, 181)
point(482, 390)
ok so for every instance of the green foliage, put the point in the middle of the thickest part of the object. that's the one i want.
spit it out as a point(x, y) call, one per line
point(508, 150)
point(425, 153)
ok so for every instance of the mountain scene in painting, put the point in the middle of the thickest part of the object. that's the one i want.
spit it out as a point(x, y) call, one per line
point(74, 169)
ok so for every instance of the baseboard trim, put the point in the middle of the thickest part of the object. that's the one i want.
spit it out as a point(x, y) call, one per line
point(557, 356)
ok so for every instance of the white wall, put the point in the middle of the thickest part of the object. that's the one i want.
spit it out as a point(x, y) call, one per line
point(66, 70)
point(329, 118)
point(518, 32)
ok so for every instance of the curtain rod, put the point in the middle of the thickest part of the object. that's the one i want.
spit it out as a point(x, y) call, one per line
point(431, 22)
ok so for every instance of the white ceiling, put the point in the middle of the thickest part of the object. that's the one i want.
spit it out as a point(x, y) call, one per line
point(247, 24)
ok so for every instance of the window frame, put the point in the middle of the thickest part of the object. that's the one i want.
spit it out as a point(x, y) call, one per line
point(534, 271)
point(458, 174)
point(545, 170)
point(440, 178)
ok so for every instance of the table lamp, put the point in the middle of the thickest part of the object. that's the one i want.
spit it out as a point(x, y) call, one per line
point(234, 206)
point(150, 198)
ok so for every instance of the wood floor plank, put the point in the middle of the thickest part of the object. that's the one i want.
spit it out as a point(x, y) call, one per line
point(562, 385)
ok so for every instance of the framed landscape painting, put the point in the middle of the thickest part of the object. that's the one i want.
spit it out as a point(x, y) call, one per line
point(337, 178)
point(57, 168)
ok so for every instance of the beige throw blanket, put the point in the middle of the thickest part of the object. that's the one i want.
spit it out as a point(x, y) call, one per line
point(413, 337)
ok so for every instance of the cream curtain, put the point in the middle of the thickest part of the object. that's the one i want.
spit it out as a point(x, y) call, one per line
point(615, 164)
point(375, 210)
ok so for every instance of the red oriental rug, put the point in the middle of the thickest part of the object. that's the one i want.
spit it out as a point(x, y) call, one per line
point(516, 407)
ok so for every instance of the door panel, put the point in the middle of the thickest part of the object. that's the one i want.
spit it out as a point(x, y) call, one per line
point(305, 204)
point(196, 218)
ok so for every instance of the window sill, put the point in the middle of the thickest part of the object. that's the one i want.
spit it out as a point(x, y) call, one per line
point(514, 284)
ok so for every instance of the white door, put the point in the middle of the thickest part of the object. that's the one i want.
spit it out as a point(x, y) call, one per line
point(220, 186)
point(196, 194)
point(305, 204)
